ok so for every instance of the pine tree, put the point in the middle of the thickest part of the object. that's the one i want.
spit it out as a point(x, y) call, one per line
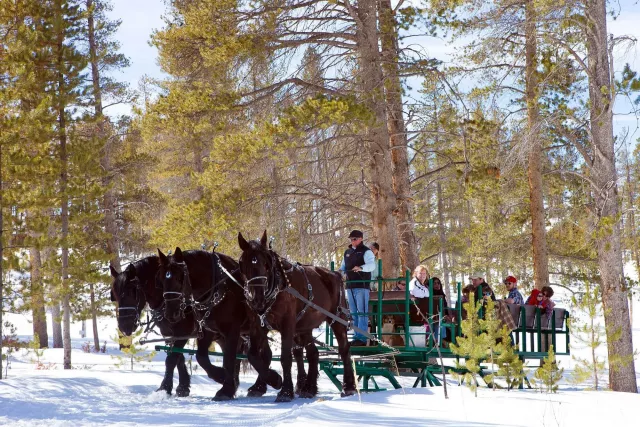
point(549, 374)
point(590, 334)
point(472, 345)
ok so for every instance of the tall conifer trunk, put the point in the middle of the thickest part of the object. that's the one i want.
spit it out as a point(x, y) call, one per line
point(64, 180)
point(622, 375)
point(377, 137)
point(408, 246)
point(37, 298)
point(536, 202)
point(1, 258)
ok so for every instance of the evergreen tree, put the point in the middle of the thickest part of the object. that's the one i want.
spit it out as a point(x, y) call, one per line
point(590, 334)
point(549, 374)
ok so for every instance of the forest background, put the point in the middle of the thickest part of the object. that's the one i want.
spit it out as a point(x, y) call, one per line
point(308, 118)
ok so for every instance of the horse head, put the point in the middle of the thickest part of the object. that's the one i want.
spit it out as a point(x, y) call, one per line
point(127, 292)
point(258, 268)
point(173, 276)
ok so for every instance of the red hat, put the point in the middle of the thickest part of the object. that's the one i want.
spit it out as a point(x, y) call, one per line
point(510, 279)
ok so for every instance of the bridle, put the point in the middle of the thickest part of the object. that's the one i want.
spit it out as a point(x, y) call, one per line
point(127, 309)
point(272, 282)
point(173, 296)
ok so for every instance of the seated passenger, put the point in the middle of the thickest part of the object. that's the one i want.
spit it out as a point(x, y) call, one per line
point(482, 288)
point(418, 286)
point(514, 297)
point(542, 299)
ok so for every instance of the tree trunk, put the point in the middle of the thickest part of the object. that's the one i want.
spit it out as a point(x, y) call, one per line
point(57, 324)
point(443, 242)
point(1, 258)
point(622, 375)
point(94, 318)
point(64, 197)
point(633, 236)
point(109, 200)
point(377, 138)
point(538, 230)
point(408, 246)
point(37, 298)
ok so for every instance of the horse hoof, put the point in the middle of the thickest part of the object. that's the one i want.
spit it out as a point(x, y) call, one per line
point(182, 391)
point(275, 380)
point(166, 390)
point(255, 393)
point(305, 394)
point(221, 397)
point(284, 397)
point(348, 392)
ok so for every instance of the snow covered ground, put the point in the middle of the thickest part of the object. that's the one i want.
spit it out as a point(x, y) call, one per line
point(96, 391)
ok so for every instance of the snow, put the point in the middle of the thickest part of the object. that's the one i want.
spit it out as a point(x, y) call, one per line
point(98, 392)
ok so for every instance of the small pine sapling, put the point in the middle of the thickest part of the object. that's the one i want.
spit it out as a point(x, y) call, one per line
point(510, 366)
point(472, 346)
point(549, 374)
point(492, 327)
point(133, 353)
point(592, 335)
point(34, 346)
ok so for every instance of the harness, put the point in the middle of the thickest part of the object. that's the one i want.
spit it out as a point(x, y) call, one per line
point(274, 285)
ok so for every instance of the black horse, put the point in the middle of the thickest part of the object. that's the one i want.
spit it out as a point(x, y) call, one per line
point(202, 280)
point(267, 276)
point(132, 290)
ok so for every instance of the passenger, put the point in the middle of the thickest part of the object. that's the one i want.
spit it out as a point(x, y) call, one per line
point(482, 288)
point(547, 304)
point(514, 297)
point(418, 286)
point(375, 248)
point(542, 299)
point(438, 291)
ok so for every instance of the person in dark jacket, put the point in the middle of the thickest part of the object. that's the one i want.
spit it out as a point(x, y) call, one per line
point(483, 290)
point(357, 265)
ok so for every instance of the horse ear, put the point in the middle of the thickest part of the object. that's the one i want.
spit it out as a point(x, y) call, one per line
point(114, 272)
point(263, 239)
point(244, 245)
point(131, 271)
point(178, 255)
point(163, 258)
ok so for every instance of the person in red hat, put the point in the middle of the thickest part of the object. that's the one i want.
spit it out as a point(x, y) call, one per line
point(514, 297)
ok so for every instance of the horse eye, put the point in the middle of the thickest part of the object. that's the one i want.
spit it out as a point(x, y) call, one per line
point(168, 275)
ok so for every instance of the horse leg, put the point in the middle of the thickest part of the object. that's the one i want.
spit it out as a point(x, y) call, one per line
point(228, 390)
point(310, 388)
point(348, 379)
point(184, 379)
point(286, 332)
point(298, 355)
point(202, 357)
point(169, 365)
point(259, 356)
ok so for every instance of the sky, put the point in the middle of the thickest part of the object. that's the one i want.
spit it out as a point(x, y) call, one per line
point(141, 17)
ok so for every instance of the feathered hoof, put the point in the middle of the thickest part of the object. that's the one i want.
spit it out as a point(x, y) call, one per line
point(222, 397)
point(255, 393)
point(275, 380)
point(348, 392)
point(305, 394)
point(284, 397)
point(165, 388)
point(182, 391)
